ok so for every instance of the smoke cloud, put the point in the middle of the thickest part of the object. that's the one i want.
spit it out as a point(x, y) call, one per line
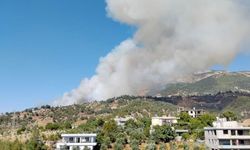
point(174, 39)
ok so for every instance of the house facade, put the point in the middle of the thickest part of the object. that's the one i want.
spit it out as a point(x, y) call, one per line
point(160, 121)
point(76, 141)
point(227, 135)
point(192, 112)
point(120, 121)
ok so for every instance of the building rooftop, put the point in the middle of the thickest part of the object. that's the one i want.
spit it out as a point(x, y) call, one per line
point(165, 117)
point(81, 135)
point(222, 123)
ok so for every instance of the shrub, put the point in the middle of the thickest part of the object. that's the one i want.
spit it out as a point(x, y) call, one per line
point(151, 145)
point(163, 133)
point(134, 145)
point(52, 126)
point(22, 129)
point(118, 146)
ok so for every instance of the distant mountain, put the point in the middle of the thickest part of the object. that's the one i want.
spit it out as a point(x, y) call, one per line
point(210, 82)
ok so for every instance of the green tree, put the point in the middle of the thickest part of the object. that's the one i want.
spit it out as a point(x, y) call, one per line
point(185, 136)
point(104, 147)
point(121, 138)
point(66, 125)
point(52, 126)
point(106, 141)
point(229, 115)
point(137, 134)
point(134, 144)
point(131, 124)
point(163, 133)
point(207, 119)
point(110, 130)
point(195, 124)
point(184, 117)
point(183, 121)
point(118, 145)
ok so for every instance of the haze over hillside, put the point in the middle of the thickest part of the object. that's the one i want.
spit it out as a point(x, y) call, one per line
point(210, 82)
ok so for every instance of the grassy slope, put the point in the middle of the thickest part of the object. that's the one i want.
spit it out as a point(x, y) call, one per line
point(145, 107)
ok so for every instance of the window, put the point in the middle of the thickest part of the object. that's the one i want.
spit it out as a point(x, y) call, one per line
point(87, 139)
point(71, 139)
point(240, 132)
point(78, 140)
point(232, 132)
point(241, 142)
point(234, 142)
point(64, 147)
point(225, 131)
point(214, 132)
point(224, 142)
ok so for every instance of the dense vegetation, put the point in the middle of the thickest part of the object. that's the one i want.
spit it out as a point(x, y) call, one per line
point(40, 128)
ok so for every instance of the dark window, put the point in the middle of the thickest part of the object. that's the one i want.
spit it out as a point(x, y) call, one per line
point(78, 140)
point(233, 132)
point(234, 142)
point(240, 132)
point(225, 131)
point(71, 139)
point(241, 142)
point(87, 139)
point(214, 132)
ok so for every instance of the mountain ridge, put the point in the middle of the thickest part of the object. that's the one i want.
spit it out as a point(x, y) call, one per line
point(210, 82)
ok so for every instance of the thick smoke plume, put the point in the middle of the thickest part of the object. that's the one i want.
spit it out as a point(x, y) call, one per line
point(174, 38)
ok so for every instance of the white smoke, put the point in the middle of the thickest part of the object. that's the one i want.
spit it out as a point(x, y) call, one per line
point(174, 38)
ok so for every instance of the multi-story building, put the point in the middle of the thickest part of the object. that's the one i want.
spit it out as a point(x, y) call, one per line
point(226, 135)
point(192, 112)
point(76, 141)
point(120, 121)
point(163, 121)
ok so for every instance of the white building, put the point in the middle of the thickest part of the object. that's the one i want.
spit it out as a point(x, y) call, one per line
point(163, 121)
point(76, 141)
point(192, 112)
point(120, 121)
point(160, 121)
point(227, 135)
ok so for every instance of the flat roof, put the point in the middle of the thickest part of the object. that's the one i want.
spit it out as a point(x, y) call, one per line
point(165, 117)
point(79, 134)
point(227, 128)
point(180, 130)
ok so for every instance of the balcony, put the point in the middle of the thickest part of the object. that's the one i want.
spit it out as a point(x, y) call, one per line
point(78, 140)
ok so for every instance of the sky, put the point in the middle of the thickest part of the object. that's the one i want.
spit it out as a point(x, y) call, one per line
point(47, 47)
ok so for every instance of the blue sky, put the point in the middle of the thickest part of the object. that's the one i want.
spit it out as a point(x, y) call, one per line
point(47, 47)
